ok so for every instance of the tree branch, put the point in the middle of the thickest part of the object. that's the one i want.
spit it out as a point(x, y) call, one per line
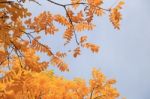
point(64, 6)
point(91, 95)
point(81, 3)
point(31, 36)
point(72, 25)
point(16, 49)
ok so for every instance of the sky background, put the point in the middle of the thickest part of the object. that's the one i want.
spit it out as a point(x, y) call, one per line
point(124, 54)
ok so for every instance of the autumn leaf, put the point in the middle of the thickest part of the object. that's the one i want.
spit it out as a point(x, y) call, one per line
point(92, 47)
point(115, 16)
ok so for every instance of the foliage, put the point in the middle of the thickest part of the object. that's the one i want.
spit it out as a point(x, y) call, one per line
point(24, 76)
point(45, 85)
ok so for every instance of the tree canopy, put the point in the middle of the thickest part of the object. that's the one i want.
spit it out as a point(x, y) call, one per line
point(24, 75)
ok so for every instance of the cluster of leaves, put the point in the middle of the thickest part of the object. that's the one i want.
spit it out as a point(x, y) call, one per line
point(45, 85)
point(22, 72)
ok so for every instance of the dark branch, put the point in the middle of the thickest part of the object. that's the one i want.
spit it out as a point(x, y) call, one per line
point(72, 25)
point(56, 3)
point(81, 3)
point(31, 36)
point(91, 95)
point(16, 51)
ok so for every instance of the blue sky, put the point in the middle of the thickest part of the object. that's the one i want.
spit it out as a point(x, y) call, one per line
point(124, 54)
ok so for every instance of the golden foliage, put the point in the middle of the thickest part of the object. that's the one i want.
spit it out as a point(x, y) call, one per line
point(59, 63)
point(68, 34)
point(83, 39)
point(40, 47)
point(78, 18)
point(61, 19)
point(92, 47)
point(60, 54)
point(76, 52)
point(99, 85)
point(99, 12)
point(3, 56)
point(84, 26)
point(34, 64)
point(95, 2)
point(43, 22)
point(115, 15)
point(75, 3)
point(9, 76)
point(25, 75)
point(46, 85)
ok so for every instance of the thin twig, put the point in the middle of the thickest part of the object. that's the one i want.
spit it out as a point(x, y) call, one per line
point(81, 3)
point(38, 41)
point(72, 25)
point(91, 95)
point(16, 49)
